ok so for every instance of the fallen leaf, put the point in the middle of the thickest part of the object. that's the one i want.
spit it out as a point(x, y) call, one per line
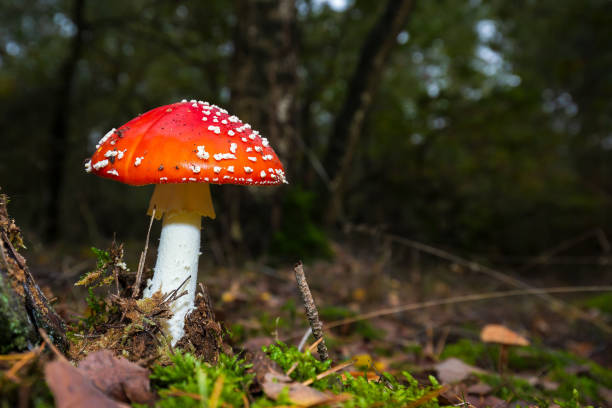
point(298, 394)
point(72, 390)
point(272, 381)
point(489, 401)
point(479, 388)
point(454, 370)
point(117, 377)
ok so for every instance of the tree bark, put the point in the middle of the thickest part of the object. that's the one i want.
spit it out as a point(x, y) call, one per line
point(59, 126)
point(23, 307)
point(364, 83)
point(265, 81)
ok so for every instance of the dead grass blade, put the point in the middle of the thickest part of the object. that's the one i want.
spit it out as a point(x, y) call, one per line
point(328, 372)
point(427, 397)
point(466, 299)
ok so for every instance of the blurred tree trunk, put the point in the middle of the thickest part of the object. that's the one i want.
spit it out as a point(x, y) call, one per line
point(59, 126)
point(348, 124)
point(265, 80)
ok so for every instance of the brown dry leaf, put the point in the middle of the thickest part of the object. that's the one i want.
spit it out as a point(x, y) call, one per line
point(298, 394)
point(272, 381)
point(72, 390)
point(118, 377)
point(479, 388)
point(454, 370)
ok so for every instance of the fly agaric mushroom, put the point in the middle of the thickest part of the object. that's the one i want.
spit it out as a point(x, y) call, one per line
point(182, 148)
point(496, 333)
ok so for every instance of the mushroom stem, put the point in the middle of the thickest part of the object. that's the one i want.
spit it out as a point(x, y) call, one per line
point(182, 206)
point(177, 259)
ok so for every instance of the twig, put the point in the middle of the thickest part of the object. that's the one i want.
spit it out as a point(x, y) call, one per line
point(311, 310)
point(24, 359)
point(292, 368)
point(478, 267)
point(143, 257)
point(304, 339)
point(313, 345)
point(328, 372)
point(465, 299)
point(47, 340)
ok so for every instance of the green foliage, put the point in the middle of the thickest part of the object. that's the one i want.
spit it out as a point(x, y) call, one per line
point(365, 393)
point(187, 374)
point(363, 328)
point(534, 358)
point(389, 391)
point(307, 368)
point(299, 234)
point(601, 302)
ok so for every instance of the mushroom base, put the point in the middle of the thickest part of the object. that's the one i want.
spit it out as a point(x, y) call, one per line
point(177, 260)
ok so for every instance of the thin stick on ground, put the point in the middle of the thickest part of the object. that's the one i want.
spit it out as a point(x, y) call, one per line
point(311, 310)
point(465, 299)
point(555, 304)
point(143, 257)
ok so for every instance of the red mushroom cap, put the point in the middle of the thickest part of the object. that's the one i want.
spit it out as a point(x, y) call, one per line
point(186, 142)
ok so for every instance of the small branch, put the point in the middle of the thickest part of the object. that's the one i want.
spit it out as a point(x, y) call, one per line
point(143, 257)
point(311, 310)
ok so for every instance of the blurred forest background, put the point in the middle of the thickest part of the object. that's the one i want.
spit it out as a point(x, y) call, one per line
point(484, 127)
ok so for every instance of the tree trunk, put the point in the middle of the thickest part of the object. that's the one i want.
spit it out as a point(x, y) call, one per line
point(23, 307)
point(265, 80)
point(59, 126)
point(364, 83)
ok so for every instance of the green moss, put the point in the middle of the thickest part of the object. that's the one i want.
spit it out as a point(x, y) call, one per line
point(533, 359)
point(362, 328)
point(188, 375)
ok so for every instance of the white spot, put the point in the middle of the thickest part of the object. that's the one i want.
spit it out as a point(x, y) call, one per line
point(248, 169)
point(195, 168)
point(215, 120)
point(205, 178)
point(137, 161)
point(202, 153)
point(88, 166)
point(258, 149)
point(267, 157)
point(244, 139)
point(231, 133)
point(264, 142)
point(215, 129)
point(100, 164)
point(163, 179)
point(113, 172)
point(262, 174)
point(226, 177)
point(233, 147)
point(233, 119)
point(204, 118)
point(217, 169)
point(249, 149)
point(230, 169)
point(105, 137)
point(224, 122)
point(251, 158)
point(216, 179)
point(252, 136)
point(223, 156)
point(193, 179)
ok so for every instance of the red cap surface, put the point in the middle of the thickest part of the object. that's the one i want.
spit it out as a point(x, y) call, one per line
point(186, 142)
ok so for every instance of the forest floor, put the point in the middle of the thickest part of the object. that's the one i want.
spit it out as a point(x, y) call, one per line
point(412, 338)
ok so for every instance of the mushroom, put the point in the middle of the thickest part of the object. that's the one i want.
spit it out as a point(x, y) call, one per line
point(496, 333)
point(183, 148)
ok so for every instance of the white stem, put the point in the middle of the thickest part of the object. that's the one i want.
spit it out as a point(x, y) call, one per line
point(177, 260)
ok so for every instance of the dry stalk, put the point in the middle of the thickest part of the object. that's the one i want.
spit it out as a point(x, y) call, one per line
point(311, 310)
